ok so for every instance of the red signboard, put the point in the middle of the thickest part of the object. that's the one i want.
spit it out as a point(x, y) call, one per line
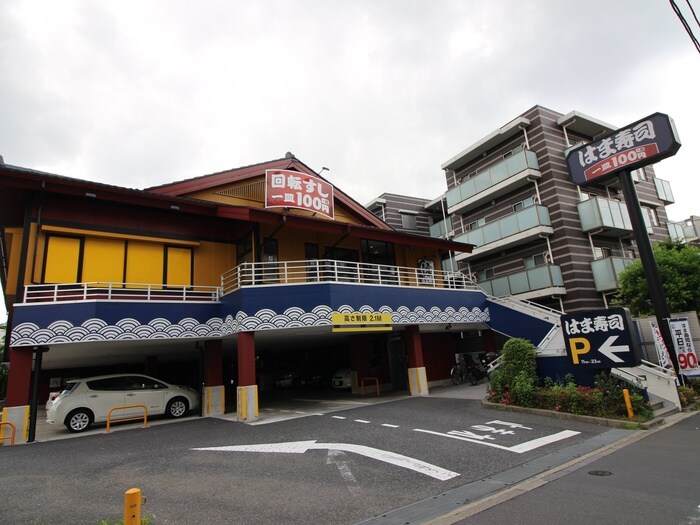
point(292, 189)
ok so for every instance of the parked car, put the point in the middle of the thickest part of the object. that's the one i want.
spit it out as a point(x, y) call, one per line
point(89, 400)
point(342, 378)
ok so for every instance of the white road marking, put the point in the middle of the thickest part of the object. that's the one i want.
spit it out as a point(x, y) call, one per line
point(519, 449)
point(362, 421)
point(338, 417)
point(390, 426)
point(299, 447)
point(337, 458)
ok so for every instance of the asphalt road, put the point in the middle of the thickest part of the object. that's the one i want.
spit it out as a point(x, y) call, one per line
point(354, 465)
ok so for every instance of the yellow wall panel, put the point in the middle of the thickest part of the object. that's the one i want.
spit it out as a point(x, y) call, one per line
point(62, 260)
point(103, 260)
point(179, 271)
point(144, 263)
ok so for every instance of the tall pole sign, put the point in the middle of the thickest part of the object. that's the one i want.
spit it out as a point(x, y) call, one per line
point(644, 142)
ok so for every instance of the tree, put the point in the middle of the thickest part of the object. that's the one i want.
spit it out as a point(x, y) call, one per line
point(679, 268)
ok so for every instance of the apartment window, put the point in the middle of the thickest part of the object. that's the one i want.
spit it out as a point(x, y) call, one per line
point(485, 274)
point(639, 175)
point(476, 224)
point(535, 260)
point(526, 203)
point(651, 218)
point(600, 252)
point(408, 221)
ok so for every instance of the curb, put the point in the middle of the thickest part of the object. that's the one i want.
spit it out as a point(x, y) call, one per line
point(613, 423)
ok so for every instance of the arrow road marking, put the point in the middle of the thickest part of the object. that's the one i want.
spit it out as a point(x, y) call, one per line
point(299, 447)
point(337, 458)
point(523, 447)
point(609, 351)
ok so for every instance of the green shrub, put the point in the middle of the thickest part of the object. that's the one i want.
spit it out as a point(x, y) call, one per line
point(515, 379)
point(689, 396)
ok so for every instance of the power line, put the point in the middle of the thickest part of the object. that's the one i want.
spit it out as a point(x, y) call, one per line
point(686, 26)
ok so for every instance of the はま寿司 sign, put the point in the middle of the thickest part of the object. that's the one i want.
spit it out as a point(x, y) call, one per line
point(600, 339)
point(646, 141)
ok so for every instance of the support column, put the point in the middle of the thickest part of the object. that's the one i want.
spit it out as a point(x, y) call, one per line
point(417, 377)
point(16, 410)
point(247, 390)
point(214, 395)
point(489, 341)
point(359, 361)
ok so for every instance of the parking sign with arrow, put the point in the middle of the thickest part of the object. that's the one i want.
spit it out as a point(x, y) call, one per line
point(601, 339)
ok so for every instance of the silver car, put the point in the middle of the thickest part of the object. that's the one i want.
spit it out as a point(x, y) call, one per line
point(89, 400)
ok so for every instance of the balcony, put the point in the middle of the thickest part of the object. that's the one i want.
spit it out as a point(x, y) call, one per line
point(441, 229)
point(499, 179)
point(540, 281)
point(605, 217)
point(607, 270)
point(345, 272)
point(676, 230)
point(517, 228)
point(97, 291)
point(663, 190)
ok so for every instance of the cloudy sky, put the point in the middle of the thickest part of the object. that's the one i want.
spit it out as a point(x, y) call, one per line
point(382, 92)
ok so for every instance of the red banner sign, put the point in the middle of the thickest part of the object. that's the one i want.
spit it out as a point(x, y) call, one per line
point(292, 189)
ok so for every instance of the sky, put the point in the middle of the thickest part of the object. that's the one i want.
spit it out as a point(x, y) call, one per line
point(381, 92)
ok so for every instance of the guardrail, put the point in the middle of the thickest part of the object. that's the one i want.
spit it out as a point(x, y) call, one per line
point(123, 419)
point(370, 379)
point(103, 291)
point(12, 435)
point(330, 270)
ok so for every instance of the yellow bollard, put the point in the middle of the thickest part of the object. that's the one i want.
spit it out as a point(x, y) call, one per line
point(628, 403)
point(132, 507)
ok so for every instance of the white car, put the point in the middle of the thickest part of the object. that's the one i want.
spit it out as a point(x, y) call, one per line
point(342, 379)
point(89, 400)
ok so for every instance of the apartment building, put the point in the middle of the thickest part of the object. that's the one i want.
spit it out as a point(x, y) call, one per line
point(537, 235)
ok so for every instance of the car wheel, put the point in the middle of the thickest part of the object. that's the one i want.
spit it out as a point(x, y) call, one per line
point(177, 407)
point(79, 420)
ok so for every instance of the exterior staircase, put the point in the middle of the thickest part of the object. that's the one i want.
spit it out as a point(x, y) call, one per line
point(659, 384)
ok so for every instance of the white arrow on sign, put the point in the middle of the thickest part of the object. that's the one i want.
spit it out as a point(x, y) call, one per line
point(609, 351)
point(299, 447)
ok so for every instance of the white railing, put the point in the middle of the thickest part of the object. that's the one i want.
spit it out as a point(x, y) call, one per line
point(98, 291)
point(328, 270)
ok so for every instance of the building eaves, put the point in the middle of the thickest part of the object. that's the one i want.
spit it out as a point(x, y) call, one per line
point(585, 125)
point(487, 143)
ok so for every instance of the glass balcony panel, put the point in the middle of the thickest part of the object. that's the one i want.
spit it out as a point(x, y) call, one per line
point(527, 218)
point(490, 232)
point(538, 278)
point(509, 225)
point(676, 231)
point(438, 229)
point(663, 190)
point(498, 172)
point(606, 272)
point(500, 286)
point(519, 283)
point(598, 213)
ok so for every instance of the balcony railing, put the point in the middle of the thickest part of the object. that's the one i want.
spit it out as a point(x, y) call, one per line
point(441, 229)
point(494, 181)
point(663, 190)
point(98, 291)
point(607, 270)
point(543, 277)
point(605, 217)
point(508, 230)
point(346, 272)
point(676, 230)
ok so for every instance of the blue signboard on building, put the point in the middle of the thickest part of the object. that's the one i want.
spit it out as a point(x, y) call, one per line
point(601, 339)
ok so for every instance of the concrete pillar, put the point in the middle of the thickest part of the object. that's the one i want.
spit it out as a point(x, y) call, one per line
point(417, 377)
point(247, 390)
point(19, 417)
point(214, 394)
